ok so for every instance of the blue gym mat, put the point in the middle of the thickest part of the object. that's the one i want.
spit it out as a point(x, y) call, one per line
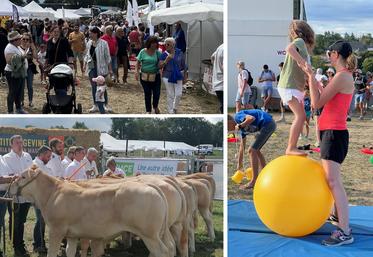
point(248, 236)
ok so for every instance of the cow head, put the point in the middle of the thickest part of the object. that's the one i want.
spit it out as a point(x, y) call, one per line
point(23, 181)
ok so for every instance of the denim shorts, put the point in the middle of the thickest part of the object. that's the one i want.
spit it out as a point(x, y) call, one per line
point(359, 98)
point(264, 134)
point(245, 98)
point(267, 90)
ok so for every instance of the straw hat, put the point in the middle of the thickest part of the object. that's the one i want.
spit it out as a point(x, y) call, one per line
point(14, 35)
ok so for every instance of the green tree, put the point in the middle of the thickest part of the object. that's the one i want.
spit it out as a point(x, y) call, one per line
point(79, 125)
point(58, 127)
point(368, 64)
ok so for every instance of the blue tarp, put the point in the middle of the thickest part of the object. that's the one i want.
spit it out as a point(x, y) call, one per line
point(249, 237)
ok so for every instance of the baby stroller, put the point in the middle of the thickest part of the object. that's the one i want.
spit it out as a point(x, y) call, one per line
point(60, 79)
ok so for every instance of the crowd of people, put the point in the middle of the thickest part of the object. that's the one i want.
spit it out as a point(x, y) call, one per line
point(78, 164)
point(96, 47)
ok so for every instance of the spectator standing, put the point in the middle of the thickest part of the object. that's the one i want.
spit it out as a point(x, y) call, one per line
point(217, 59)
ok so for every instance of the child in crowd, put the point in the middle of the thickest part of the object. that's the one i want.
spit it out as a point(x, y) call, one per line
point(292, 79)
point(100, 92)
point(243, 87)
point(42, 61)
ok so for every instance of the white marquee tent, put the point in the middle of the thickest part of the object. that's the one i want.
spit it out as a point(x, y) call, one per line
point(6, 9)
point(84, 12)
point(202, 24)
point(36, 11)
point(111, 144)
point(68, 14)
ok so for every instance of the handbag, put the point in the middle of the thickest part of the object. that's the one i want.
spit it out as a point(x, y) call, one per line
point(148, 77)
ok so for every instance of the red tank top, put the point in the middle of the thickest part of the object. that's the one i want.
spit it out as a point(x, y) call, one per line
point(334, 114)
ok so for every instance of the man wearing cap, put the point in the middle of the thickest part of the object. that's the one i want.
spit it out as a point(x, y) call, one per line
point(18, 161)
point(15, 71)
point(44, 155)
point(113, 48)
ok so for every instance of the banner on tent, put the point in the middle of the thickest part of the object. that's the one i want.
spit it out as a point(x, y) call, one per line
point(137, 166)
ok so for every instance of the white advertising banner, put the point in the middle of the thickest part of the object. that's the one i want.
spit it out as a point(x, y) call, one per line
point(136, 166)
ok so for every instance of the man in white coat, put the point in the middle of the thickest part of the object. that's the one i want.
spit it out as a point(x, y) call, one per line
point(16, 162)
point(44, 155)
point(77, 170)
point(55, 164)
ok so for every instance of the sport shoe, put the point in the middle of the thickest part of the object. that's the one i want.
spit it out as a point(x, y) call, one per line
point(281, 119)
point(361, 118)
point(337, 238)
point(21, 252)
point(348, 118)
point(31, 104)
point(21, 111)
point(263, 109)
point(93, 109)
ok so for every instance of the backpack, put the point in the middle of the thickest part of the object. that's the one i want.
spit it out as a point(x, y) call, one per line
point(250, 80)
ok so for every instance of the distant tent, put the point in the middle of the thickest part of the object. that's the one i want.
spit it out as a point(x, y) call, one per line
point(36, 11)
point(6, 9)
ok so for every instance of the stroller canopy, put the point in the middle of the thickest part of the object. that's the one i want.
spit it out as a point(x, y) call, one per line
point(62, 69)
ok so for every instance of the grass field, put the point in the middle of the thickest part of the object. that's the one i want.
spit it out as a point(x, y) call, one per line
point(204, 248)
point(357, 172)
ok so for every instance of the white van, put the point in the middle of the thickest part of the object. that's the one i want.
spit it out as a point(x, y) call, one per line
point(205, 149)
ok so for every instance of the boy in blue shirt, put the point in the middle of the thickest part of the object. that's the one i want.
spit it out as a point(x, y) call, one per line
point(251, 121)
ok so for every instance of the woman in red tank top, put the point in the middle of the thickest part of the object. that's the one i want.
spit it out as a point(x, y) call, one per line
point(335, 99)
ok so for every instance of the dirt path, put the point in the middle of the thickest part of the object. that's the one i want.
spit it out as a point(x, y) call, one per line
point(123, 99)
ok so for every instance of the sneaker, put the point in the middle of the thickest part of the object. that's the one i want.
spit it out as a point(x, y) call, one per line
point(337, 238)
point(348, 118)
point(41, 249)
point(317, 144)
point(108, 108)
point(333, 219)
point(174, 111)
point(263, 109)
point(93, 109)
point(21, 111)
point(31, 104)
point(157, 111)
point(361, 118)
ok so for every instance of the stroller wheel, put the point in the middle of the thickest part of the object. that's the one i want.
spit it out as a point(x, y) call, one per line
point(79, 109)
point(46, 108)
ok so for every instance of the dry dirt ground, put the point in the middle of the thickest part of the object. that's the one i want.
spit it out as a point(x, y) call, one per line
point(123, 99)
point(357, 171)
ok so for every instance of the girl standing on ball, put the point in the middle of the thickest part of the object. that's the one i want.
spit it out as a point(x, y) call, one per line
point(335, 99)
point(292, 78)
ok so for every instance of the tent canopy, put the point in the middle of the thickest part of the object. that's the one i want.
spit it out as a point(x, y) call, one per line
point(110, 12)
point(69, 14)
point(6, 9)
point(84, 12)
point(111, 144)
point(36, 11)
point(187, 14)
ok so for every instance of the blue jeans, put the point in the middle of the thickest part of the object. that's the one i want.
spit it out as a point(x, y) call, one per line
point(93, 74)
point(29, 82)
point(151, 88)
point(100, 106)
point(39, 229)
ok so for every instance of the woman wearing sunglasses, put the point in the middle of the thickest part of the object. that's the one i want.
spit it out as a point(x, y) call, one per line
point(28, 48)
point(336, 99)
point(173, 74)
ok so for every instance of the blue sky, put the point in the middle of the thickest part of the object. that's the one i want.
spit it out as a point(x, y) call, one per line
point(340, 15)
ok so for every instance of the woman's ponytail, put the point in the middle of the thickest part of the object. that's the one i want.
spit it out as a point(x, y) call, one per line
point(351, 62)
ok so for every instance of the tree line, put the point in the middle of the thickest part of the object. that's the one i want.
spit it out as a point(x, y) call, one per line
point(360, 45)
point(193, 131)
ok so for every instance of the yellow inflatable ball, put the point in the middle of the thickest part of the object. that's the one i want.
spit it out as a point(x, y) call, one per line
point(292, 197)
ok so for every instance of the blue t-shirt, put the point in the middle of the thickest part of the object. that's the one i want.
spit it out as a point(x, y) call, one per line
point(261, 118)
point(307, 104)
